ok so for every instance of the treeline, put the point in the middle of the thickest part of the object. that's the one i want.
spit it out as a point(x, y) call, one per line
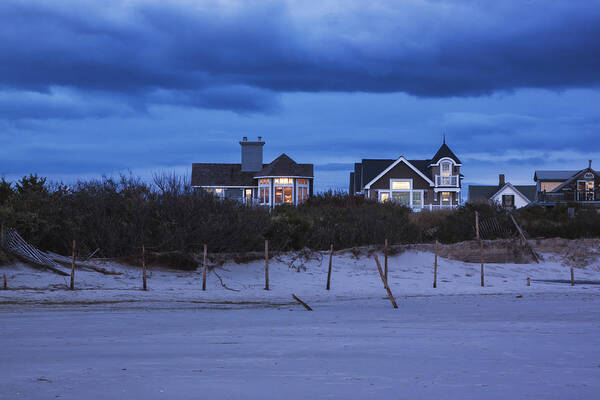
point(117, 215)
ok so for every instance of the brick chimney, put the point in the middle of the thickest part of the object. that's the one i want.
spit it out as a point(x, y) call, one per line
point(501, 181)
point(252, 154)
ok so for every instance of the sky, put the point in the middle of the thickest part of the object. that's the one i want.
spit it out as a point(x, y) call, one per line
point(92, 88)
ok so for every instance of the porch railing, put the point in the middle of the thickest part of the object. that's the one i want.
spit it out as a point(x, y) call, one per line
point(580, 196)
point(449, 181)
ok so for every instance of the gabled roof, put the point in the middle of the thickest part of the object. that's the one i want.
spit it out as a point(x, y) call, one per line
point(443, 152)
point(370, 168)
point(486, 192)
point(517, 191)
point(285, 166)
point(528, 191)
point(210, 174)
point(392, 165)
point(553, 176)
point(479, 193)
point(575, 176)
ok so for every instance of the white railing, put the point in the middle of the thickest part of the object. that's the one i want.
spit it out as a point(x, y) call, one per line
point(451, 181)
point(432, 207)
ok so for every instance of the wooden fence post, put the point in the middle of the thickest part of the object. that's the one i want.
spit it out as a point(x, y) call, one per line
point(481, 257)
point(385, 283)
point(330, 263)
point(385, 253)
point(528, 281)
point(5, 284)
point(572, 277)
point(144, 286)
point(204, 267)
point(480, 247)
point(72, 287)
point(2, 234)
point(435, 250)
point(266, 265)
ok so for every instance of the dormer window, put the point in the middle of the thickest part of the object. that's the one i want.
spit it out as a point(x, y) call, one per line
point(446, 168)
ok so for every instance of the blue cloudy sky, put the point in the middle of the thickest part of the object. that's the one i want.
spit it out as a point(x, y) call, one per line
point(98, 87)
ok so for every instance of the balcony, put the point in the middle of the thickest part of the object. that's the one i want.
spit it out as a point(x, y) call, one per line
point(580, 196)
point(446, 181)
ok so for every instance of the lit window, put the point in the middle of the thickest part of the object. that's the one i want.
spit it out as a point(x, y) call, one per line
point(288, 194)
point(278, 195)
point(284, 181)
point(219, 191)
point(302, 181)
point(446, 198)
point(446, 169)
point(263, 181)
point(400, 185)
point(384, 197)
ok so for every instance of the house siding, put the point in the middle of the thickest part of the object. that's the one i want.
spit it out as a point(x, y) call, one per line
point(400, 171)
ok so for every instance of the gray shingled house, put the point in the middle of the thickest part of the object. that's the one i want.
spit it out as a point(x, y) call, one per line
point(556, 187)
point(504, 193)
point(419, 184)
point(283, 181)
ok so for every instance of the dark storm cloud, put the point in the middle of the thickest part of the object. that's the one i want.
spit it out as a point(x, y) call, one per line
point(239, 57)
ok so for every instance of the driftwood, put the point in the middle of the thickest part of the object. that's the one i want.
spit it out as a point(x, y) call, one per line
point(66, 261)
point(301, 302)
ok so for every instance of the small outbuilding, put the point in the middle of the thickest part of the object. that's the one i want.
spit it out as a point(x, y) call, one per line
point(505, 194)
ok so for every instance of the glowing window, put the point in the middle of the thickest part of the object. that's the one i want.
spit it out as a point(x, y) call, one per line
point(284, 181)
point(278, 195)
point(400, 185)
point(263, 181)
point(302, 181)
point(384, 196)
point(446, 169)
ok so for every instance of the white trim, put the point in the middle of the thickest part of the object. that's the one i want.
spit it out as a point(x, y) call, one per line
point(283, 176)
point(392, 165)
point(446, 189)
point(443, 159)
point(226, 187)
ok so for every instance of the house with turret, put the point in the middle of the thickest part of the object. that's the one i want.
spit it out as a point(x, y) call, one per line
point(426, 184)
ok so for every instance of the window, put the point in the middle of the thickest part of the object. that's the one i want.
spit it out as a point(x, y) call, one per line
point(302, 181)
point(508, 200)
point(446, 198)
point(417, 199)
point(302, 194)
point(278, 195)
point(264, 195)
point(446, 169)
point(263, 181)
point(287, 195)
point(284, 181)
point(219, 191)
point(384, 196)
point(402, 198)
point(401, 185)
